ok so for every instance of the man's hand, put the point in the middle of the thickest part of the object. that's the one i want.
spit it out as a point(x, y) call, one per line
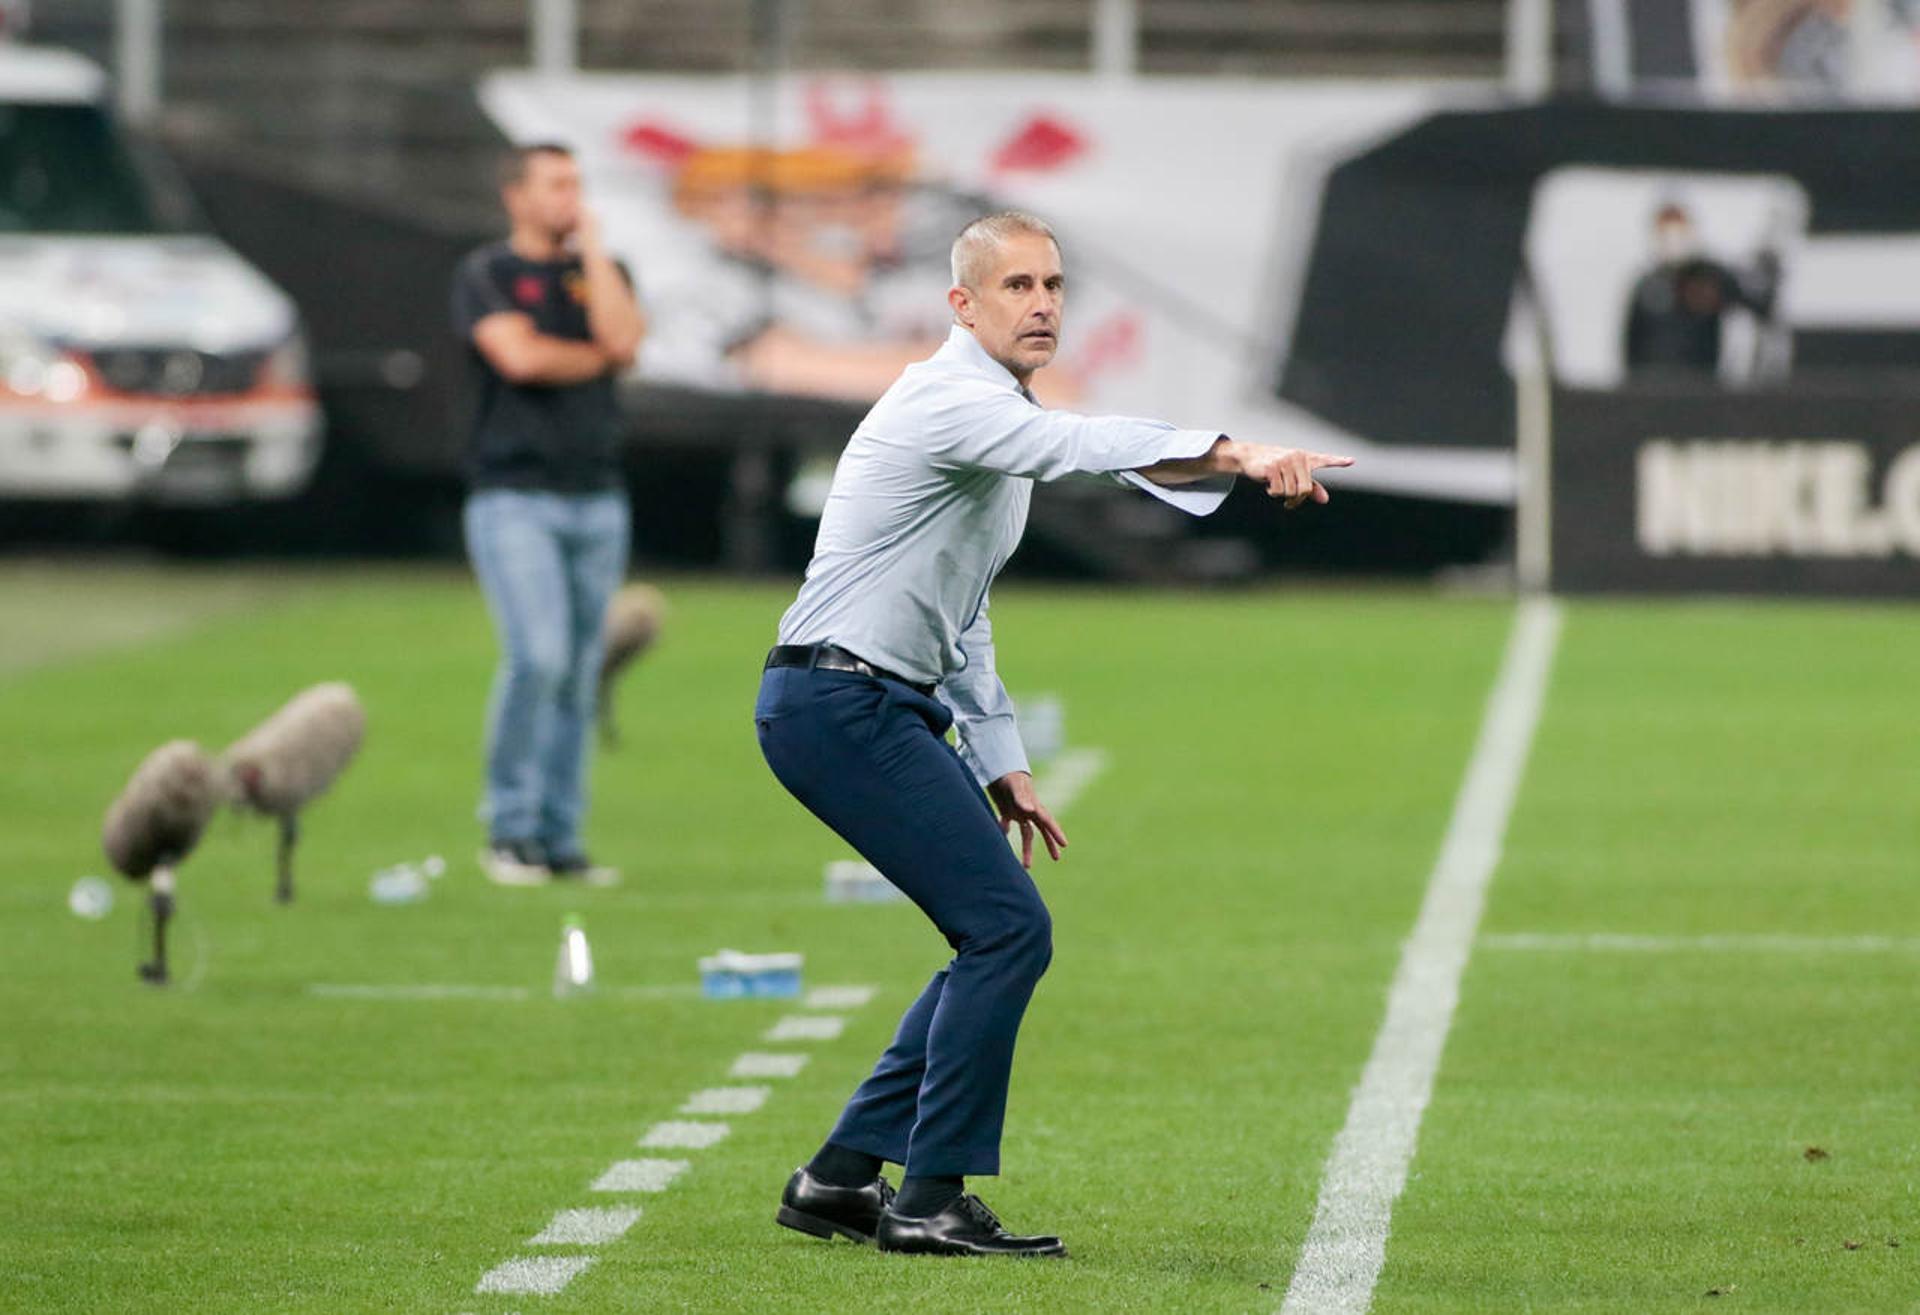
point(1286, 471)
point(587, 239)
point(613, 316)
point(1013, 795)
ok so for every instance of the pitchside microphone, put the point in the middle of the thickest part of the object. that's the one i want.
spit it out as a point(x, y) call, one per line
point(152, 827)
point(291, 759)
point(633, 623)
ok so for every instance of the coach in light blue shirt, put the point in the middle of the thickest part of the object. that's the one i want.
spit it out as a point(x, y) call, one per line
point(888, 646)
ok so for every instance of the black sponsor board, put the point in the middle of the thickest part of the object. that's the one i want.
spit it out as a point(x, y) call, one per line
point(1681, 489)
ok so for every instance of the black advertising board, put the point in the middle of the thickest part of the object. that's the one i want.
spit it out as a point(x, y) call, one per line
point(1682, 489)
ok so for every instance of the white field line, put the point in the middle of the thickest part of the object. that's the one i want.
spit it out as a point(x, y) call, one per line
point(639, 1176)
point(413, 991)
point(417, 991)
point(1718, 943)
point(591, 1226)
point(840, 997)
point(588, 1226)
point(726, 1100)
point(538, 1275)
point(658, 991)
point(684, 1135)
point(759, 1064)
point(1068, 776)
point(806, 1027)
point(1347, 1242)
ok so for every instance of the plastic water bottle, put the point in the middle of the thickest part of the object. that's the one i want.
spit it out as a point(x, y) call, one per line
point(91, 898)
point(405, 884)
point(573, 968)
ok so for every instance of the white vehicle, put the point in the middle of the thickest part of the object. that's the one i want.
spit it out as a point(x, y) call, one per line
point(138, 356)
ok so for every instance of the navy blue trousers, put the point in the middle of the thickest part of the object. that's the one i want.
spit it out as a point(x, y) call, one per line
point(868, 758)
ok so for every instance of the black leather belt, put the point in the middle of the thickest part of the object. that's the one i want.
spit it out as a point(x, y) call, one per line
point(829, 657)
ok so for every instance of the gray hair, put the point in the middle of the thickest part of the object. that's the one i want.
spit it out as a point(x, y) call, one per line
point(977, 242)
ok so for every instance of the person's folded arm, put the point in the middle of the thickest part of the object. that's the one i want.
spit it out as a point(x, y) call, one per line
point(524, 355)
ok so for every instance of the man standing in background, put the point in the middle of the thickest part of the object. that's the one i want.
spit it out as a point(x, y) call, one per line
point(549, 318)
point(1677, 315)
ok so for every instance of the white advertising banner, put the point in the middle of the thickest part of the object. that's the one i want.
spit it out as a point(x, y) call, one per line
point(792, 237)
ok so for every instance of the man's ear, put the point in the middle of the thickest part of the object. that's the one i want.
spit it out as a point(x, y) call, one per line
point(962, 302)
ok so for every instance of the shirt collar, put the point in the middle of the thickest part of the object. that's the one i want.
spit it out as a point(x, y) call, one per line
point(963, 347)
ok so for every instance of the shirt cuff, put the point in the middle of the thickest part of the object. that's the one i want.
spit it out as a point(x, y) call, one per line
point(991, 748)
point(1200, 498)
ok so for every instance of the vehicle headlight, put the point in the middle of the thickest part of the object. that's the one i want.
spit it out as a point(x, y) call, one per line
point(289, 365)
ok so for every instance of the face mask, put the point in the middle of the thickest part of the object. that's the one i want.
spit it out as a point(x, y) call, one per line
point(1676, 242)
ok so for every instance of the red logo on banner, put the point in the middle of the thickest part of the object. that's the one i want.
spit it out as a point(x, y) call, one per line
point(1043, 143)
point(649, 138)
point(1114, 344)
point(870, 127)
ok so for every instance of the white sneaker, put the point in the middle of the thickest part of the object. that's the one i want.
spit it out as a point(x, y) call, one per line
point(514, 863)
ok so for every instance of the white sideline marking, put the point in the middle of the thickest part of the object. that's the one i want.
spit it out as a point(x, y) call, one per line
point(1731, 942)
point(726, 1100)
point(1068, 776)
point(591, 1226)
point(840, 997)
point(639, 1176)
point(542, 1275)
point(692, 1136)
point(806, 1027)
point(422, 991)
point(758, 1064)
point(1347, 1243)
point(659, 991)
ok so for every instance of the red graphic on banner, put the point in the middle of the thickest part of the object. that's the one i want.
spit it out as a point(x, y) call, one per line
point(869, 128)
point(1114, 344)
point(657, 141)
point(1043, 143)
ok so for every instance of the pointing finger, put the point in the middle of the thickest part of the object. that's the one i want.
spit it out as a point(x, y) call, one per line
point(1320, 460)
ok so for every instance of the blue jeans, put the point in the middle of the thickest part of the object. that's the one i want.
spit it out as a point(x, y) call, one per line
point(548, 563)
point(866, 757)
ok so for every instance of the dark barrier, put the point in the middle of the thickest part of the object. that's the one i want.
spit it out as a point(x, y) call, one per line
point(1813, 490)
point(1398, 344)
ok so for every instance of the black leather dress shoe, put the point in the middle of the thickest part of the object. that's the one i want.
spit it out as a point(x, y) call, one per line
point(822, 1209)
point(965, 1228)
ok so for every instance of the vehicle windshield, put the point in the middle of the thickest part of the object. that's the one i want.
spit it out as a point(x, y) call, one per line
point(64, 169)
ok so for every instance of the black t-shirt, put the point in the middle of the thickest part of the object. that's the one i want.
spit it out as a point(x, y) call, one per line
point(562, 438)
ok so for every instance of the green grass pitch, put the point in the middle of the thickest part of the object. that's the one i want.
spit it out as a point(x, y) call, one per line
point(1616, 1126)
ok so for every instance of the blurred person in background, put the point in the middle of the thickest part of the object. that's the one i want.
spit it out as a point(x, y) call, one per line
point(1676, 317)
point(549, 319)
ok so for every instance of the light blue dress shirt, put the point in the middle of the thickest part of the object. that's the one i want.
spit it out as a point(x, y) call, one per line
point(928, 503)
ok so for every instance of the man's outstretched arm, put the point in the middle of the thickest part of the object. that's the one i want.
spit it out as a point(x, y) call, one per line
point(1287, 472)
